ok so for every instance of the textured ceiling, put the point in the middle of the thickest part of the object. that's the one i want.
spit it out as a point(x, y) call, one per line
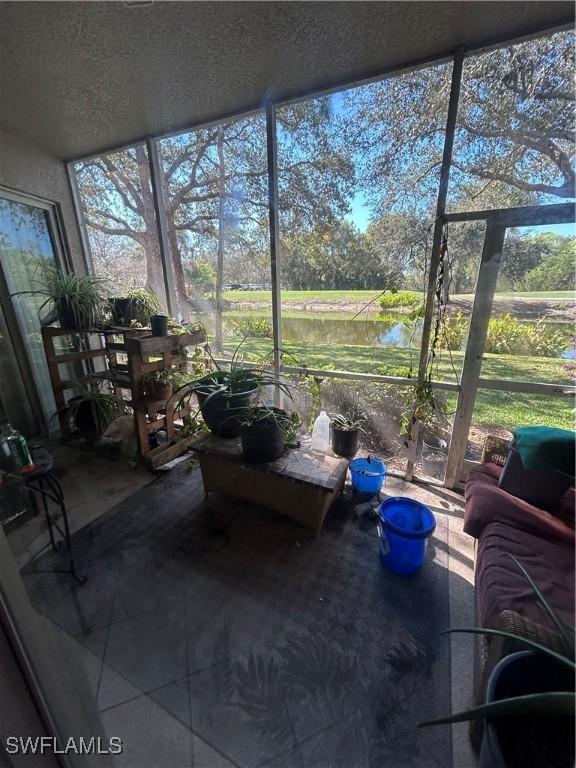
point(79, 77)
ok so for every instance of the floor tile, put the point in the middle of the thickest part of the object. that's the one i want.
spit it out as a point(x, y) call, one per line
point(151, 738)
point(239, 706)
point(114, 689)
point(149, 650)
point(175, 699)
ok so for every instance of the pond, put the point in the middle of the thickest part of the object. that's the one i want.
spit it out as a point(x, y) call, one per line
point(392, 331)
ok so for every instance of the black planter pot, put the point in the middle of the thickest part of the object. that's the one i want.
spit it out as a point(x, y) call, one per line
point(120, 311)
point(345, 442)
point(527, 741)
point(159, 324)
point(223, 412)
point(83, 416)
point(66, 315)
point(263, 441)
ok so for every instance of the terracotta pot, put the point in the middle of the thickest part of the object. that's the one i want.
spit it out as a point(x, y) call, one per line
point(160, 390)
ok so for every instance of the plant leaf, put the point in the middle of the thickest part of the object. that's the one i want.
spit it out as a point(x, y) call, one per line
point(501, 633)
point(547, 607)
point(555, 703)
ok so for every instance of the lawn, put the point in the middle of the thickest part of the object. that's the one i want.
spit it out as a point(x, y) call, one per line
point(503, 409)
point(356, 297)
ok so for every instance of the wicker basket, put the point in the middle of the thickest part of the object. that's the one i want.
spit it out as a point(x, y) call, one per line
point(495, 450)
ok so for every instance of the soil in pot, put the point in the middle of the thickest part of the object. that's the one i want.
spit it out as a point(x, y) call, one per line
point(345, 442)
point(262, 441)
point(223, 412)
point(534, 741)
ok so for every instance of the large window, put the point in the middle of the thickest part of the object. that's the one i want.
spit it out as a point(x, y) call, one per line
point(215, 183)
point(120, 218)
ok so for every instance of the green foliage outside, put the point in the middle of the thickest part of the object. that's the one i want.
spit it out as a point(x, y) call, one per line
point(202, 275)
point(508, 336)
point(400, 300)
point(557, 268)
point(250, 327)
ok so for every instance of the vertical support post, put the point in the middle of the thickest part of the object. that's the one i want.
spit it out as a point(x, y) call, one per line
point(80, 220)
point(437, 237)
point(272, 153)
point(162, 224)
point(477, 332)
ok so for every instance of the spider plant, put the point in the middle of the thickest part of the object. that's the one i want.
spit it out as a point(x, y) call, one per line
point(265, 431)
point(93, 410)
point(346, 423)
point(78, 300)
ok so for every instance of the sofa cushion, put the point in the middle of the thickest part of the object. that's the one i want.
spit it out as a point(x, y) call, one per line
point(500, 584)
point(486, 503)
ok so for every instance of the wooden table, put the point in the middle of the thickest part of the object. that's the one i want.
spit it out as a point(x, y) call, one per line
point(301, 484)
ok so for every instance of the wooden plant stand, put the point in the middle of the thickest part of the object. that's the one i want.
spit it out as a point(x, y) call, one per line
point(85, 353)
point(126, 355)
point(147, 353)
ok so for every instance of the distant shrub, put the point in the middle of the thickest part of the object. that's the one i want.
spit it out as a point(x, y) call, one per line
point(400, 300)
point(251, 327)
point(508, 336)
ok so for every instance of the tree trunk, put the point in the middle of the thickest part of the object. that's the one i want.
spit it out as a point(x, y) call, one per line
point(154, 268)
point(221, 236)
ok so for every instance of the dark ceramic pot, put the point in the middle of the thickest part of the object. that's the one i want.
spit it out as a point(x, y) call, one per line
point(223, 412)
point(263, 441)
point(159, 324)
point(345, 442)
point(527, 741)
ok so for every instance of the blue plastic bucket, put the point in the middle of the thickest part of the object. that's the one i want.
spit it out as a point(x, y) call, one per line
point(367, 475)
point(405, 526)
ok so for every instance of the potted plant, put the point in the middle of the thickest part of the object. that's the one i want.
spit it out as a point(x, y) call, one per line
point(345, 434)
point(530, 702)
point(159, 384)
point(137, 306)
point(224, 395)
point(264, 432)
point(91, 411)
point(78, 301)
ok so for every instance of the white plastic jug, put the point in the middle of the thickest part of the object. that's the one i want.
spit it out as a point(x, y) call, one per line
point(321, 433)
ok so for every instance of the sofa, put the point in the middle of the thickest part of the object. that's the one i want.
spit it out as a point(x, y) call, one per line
point(542, 539)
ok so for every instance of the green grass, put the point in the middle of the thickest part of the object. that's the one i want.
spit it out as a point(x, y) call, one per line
point(503, 409)
point(357, 297)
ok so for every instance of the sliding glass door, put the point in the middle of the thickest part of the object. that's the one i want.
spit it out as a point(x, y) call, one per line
point(27, 233)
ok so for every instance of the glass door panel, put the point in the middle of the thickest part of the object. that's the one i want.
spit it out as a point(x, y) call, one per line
point(24, 236)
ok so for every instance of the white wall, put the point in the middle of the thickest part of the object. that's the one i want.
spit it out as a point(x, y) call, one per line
point(27, 168)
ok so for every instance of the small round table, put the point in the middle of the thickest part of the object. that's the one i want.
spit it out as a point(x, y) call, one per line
point(41, 482)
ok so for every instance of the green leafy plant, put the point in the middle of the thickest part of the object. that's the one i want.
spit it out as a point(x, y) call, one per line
point(347, 423)
point(508, 336)
point(263, 414)
point(142, 305)
point(79, 300)
point(400, 300)
point(558, 703)
point(250, 327)
point(91, 404)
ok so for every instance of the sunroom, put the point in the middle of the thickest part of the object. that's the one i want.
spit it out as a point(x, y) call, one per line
point(287, 303)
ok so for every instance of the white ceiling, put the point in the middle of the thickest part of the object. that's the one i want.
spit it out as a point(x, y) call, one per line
point(79, 77)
